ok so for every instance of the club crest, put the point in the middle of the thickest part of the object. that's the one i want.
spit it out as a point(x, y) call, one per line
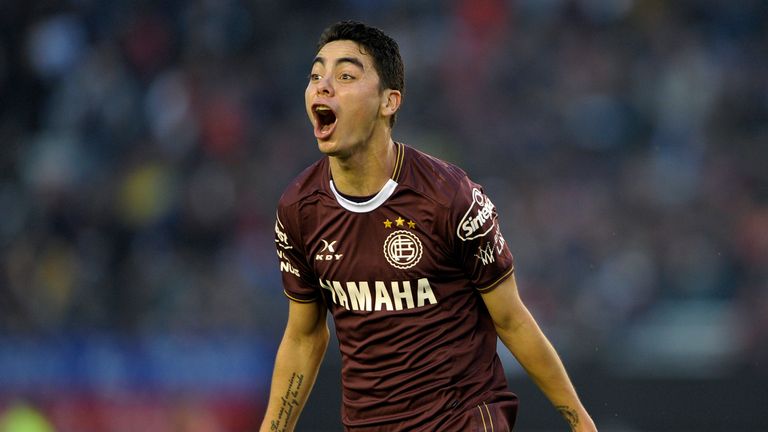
point(402, 249)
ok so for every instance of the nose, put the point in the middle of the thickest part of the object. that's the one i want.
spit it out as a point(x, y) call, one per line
point(324, 86)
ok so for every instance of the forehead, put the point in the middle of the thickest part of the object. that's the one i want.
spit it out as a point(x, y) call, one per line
point(344, 49)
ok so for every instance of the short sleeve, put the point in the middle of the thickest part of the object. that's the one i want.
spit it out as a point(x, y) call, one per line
point(299, 283)
point(478, 242)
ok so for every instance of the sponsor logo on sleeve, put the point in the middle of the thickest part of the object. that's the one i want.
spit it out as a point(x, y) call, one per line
point(286, 266)
point(478, 220)
point(281, 238)
point(498, 240)
point(485, 254)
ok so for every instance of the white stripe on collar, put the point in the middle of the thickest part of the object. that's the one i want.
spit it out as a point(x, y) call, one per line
point(371, 204)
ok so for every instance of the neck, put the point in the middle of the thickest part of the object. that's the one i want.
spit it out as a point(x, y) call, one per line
point(365, 172)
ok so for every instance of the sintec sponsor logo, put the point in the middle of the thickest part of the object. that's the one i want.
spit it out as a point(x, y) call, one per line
point(478, 220)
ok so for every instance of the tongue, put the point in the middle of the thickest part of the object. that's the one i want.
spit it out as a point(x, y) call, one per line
point(323, 131)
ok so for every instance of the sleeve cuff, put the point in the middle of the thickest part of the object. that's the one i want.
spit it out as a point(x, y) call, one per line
point(496, 283)
point(299, 300)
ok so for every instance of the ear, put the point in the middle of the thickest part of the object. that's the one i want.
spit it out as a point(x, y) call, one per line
point(390, 102)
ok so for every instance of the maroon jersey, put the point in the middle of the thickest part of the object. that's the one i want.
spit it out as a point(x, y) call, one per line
point(401, 274)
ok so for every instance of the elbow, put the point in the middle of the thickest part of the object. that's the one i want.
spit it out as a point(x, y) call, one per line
point(510, 326)
point(317, 341)
point(324, 337)
point(310, 341)
point(506, 323)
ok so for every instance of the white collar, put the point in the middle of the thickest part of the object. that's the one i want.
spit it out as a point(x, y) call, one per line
point(367, 206)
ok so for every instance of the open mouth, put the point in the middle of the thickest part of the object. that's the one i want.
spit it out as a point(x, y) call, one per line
point(325, 121)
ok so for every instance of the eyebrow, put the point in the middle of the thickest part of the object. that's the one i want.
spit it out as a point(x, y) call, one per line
point(340, 60)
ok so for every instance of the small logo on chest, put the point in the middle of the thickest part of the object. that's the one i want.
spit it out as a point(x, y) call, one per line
point(328, 252)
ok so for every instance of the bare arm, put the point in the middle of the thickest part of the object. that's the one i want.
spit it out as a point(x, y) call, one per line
point(521, 334)
point(298, 359)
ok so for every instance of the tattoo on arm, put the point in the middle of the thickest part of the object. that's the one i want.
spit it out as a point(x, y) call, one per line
point(289, 403)
point(569, 414)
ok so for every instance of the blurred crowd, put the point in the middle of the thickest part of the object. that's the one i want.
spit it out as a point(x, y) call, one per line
point(144, 146)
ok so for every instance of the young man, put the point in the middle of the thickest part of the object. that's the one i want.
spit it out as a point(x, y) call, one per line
point(406, 253)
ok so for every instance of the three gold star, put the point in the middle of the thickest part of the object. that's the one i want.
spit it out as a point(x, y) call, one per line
point(399, 222)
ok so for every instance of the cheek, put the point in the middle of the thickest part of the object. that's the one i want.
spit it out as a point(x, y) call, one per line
point(366, 108)
point(307, 103)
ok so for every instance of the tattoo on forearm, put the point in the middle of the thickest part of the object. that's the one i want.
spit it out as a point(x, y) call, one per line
point(289, 403)
point(569, 414)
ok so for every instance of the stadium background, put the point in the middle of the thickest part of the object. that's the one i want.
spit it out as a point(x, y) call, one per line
point(143, 147)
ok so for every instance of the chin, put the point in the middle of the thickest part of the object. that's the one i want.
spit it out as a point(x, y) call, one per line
point(327, 147)
point(334, 149)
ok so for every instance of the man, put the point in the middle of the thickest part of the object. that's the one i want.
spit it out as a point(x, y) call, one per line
point(407, 254)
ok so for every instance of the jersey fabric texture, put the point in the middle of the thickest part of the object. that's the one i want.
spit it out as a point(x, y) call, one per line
point(401, 274)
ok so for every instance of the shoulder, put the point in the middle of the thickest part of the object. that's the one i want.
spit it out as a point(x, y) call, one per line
point(305, 189)
point(307, 184)
point(433, 177)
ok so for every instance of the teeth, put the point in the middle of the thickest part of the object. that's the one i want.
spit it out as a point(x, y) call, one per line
point(322, 108)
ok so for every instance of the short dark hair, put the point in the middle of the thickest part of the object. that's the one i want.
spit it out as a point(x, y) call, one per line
point(383, 49)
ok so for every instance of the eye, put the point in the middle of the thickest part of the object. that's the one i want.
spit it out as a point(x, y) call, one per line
point(314, 76)
point(346, 77)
